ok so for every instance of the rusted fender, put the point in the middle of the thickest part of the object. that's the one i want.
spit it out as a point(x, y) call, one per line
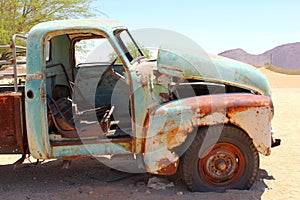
point(170, 124)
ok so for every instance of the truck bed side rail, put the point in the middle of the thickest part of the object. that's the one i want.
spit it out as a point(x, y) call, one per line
point(10, 58)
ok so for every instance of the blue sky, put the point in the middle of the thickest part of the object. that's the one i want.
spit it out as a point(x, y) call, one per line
point(216, 25)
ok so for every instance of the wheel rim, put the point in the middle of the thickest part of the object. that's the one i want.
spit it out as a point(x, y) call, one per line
point(222, 166)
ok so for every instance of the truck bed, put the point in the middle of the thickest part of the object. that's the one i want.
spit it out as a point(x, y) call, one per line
point(11, 120)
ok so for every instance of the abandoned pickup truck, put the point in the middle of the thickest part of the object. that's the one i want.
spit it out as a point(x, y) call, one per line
point(206, 117)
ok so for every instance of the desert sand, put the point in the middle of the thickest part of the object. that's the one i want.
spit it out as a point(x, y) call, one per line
point(279, 175)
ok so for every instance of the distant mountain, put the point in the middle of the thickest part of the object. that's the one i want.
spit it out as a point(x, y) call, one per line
point(286, 56)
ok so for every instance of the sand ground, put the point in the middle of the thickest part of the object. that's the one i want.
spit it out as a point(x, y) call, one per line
point(279, 175)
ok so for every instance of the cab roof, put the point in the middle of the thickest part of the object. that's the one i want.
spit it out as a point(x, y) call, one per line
point(106, 25)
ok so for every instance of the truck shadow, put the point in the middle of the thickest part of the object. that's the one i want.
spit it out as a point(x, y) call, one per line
point(88, 177)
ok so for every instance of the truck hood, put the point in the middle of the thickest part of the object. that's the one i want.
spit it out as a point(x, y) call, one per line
point(198, 65)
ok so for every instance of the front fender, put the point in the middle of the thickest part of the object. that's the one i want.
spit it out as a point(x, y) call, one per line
point(171, 124)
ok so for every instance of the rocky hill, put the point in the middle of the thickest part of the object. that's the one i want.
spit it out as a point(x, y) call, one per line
point(286, 56)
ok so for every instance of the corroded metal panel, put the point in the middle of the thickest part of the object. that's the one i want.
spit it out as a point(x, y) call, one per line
point(170, 124)
point(97, 147)
point(11, 118)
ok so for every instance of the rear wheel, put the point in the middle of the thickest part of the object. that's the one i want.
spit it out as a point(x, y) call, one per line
point(220, 158)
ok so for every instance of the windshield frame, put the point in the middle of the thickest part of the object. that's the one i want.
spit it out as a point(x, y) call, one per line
point(132, 59)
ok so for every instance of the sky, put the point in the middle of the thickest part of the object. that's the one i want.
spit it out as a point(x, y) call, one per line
point(216, 25)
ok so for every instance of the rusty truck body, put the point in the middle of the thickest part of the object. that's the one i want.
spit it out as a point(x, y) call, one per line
point(176, 112)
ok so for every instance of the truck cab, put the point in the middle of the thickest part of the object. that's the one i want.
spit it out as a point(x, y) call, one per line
point(205, 116)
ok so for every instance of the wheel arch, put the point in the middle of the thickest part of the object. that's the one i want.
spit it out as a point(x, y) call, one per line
point(171, 124)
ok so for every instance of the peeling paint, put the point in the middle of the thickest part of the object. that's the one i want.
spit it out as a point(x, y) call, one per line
point(251, 113)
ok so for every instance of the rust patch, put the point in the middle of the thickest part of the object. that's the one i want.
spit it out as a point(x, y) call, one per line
point(166, 167)
point(10, 122)
point(127, 145)
point(172, 137)
point(164, 96)
point(95, 141)
point(208, 110)
point(224, 103)
point(267, 151)
point(139, 142)
point(175, 138)
point(32, 77)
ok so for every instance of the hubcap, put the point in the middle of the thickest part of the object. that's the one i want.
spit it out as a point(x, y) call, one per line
point(223, 165)
point(220, 165)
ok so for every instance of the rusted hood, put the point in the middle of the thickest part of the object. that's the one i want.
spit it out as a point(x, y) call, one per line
point(198, 65)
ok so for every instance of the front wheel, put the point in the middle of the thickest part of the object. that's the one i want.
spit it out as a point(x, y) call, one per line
point(220, 158)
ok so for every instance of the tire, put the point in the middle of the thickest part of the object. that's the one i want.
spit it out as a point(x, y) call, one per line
point(228, 160)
